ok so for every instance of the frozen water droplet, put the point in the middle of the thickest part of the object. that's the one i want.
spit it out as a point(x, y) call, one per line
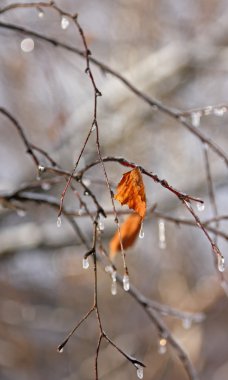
point(200, 206)
point(85, 263)
point(221, 263)
point(141, 232)
point(139, 371)
point(87, 182)
point(161, 234)
point(86, 193)
point(64, 23)
point(108, 269)
point(114, 288)
point(40, 171)
point(81, 210)
point(60, 350)
point(187, 323)
point(59, 222)
point(195, 116)
point(101, 225)
point(21, 213)
point(93, 128)
point(46, 186)
point(126, 282)
point(40, 13)
point(41, 168)
point(113, 275)
point(162, 346)
point(27, 45)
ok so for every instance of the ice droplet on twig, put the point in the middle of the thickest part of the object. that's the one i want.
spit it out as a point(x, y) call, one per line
point(113, 275)
point(59, 222)
point(45, 186)
point(187, 323)
point(85, 263)
point(221, 263)
point(87, 182)
point(81, 210)
point(126, 282)
point(101, 225)
point(141, 232)
point(40, 171)
point(162, 348)
point(93, 128)
point(195, 116)
point(114, 288)
point(139, 371)
point(200, 206)
point(61, 350)
point(64, 23)
point(40, 13)
point(109, 269)
point(21, 212)
point(161, 234)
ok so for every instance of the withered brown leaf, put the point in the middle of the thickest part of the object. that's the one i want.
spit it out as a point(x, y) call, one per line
point(129, 231)
point(131, 191)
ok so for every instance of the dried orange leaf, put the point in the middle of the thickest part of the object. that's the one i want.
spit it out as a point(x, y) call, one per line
point(129, 231)
point(131, 191)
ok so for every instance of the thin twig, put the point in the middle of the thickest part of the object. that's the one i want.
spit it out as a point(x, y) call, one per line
point(19, 128)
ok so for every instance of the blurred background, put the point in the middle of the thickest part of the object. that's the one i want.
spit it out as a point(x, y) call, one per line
point(178, 53)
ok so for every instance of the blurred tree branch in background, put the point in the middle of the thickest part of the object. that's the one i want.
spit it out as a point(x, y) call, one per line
point(98, 121)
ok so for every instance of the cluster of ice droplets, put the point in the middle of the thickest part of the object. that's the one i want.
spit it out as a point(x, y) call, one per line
point(139, 371)
point(161, 234)
point(219, 111)
point(126, 282)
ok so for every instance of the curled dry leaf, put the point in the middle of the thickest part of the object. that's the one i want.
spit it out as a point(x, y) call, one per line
point(131, 191)
point(129, 231)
